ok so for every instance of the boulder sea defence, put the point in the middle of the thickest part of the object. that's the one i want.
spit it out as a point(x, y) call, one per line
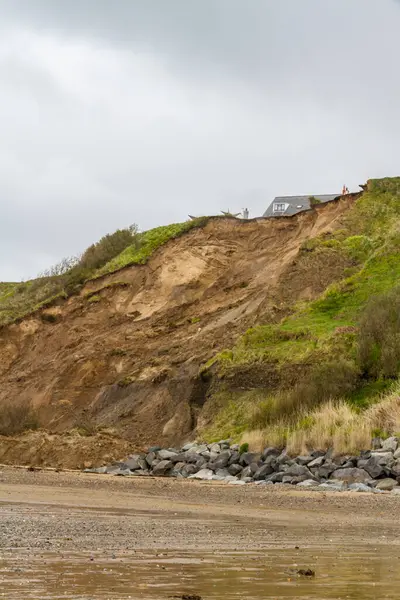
point(374, 470)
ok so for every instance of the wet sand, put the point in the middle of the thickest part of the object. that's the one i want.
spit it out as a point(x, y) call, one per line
point(85, 512)
point(96, 536)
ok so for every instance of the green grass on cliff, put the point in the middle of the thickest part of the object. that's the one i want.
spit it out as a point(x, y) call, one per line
point(324, 333)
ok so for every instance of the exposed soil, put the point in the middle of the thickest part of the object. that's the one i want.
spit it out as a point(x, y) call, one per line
point(66, 451)
point(131, 360)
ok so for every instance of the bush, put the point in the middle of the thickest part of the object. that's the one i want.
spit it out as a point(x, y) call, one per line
point(16, 417)
point(97, 255)
point(379, 336)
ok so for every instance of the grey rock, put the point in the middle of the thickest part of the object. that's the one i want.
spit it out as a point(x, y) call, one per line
point(237, 482)
point(317, 453)
point(351, 475)
point(200, 462)
point(142, 463)
point(395, 469)
point(387, 484)
point(396, 454)
point(307, 483)
point(390, 444)
point(121, 466)
point(326, 470)
point(150, 458)
point(301, 478)
point(204, 474)
point(163, 468)
point(247, 479)
point(372, 465)
point(189, 469)
point(246, 472)
point(262, 472)
point(189, 446)
point(396, 490)
point(349, 464)
point(135, 459)
point(187, 457)
point(177, 469)
point(141, 473)
point(224, 444)
point(235, 447)
point(384, 456)
point(200, 449)
point(264, 483)
point(276, 477)
point(254, 466)
point(221, 462)
point(249, 457)
point(206, 454)
point(340, 460)
point(223, 473)
point(296, 470)
point(365, 454)
point(214, 456)
point(283, 458)
point(215, 448)
point(271, 461)
point(235, 458)
point(235, 469)
point(270, 452)
point(166, 454)
point(316, 462)
point(287, 479)
point(305, 460)
point(230, 478)
point(359, 487)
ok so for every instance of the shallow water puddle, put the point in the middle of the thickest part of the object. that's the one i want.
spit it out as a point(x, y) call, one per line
point(366, 573)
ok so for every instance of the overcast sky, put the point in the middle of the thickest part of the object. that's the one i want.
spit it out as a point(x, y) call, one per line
point(147, 110)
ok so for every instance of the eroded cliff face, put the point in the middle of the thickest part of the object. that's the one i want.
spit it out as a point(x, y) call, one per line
point(126, 352)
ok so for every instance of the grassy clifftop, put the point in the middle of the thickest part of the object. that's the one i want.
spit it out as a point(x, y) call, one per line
point(343, 347)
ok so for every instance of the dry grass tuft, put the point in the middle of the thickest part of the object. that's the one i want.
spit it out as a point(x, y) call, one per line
point(333, 425)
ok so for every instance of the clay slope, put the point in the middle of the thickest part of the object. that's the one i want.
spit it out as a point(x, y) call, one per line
point(126, 352)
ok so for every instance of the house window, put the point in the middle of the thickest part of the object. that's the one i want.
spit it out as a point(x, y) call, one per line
point(279, 207)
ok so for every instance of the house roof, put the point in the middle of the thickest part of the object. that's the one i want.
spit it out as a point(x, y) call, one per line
point(295, 204)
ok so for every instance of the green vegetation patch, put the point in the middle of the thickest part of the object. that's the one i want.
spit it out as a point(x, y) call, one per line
point(327, 335)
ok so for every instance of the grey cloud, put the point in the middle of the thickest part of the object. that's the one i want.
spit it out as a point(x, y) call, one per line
point(113, 112)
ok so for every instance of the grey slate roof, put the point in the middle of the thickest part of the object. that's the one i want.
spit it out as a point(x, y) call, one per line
point(295, 204)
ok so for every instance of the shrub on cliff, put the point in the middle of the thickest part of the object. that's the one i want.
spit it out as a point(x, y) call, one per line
point(379, 336)
point(109, 246)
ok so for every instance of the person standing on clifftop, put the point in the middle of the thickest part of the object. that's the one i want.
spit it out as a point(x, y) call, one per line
point(345, 190)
